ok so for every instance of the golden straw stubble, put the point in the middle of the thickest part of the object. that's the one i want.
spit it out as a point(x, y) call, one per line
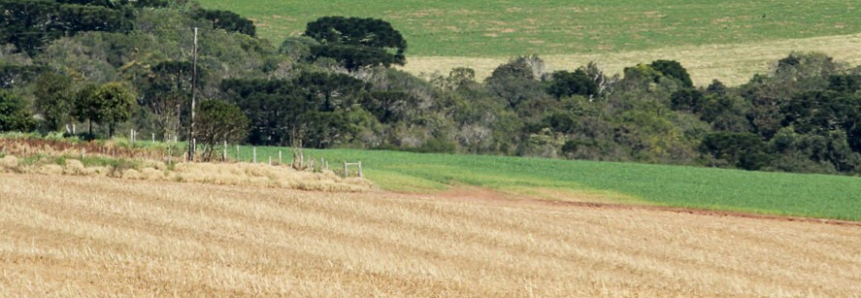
point(84, 236)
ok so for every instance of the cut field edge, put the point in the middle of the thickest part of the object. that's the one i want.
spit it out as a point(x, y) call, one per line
point(597, 199)
point(733, 64)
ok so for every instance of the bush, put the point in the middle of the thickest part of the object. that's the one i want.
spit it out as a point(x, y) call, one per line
point(566, 84)
point(690, 100)
point(741, 150)
point(14, 114)
point(674, 70)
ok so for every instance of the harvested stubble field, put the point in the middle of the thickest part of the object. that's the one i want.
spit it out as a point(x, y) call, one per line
point(100, 237)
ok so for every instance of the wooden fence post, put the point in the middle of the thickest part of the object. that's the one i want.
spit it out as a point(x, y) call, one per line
point(224, 153)
point(280, 161)
point(346, 170)
point(360, 170)
point(254, 155)
point(237, 154)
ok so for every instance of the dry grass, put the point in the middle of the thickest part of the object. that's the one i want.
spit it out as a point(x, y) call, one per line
point(96, 237)
point(240, 174)
point(28, 146)
point(733, 64)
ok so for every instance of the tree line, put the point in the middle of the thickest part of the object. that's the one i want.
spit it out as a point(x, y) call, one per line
point(334, 87)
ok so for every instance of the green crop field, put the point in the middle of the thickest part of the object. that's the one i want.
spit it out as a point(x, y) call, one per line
point(729, 40)
point(819, 196)
point(506, 28)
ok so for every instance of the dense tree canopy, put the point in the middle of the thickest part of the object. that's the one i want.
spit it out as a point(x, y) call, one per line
point(312, 109)
point(357, 42)
point(572, 83)
point(14, 114)
point(674, 70)
point(229, 21)
point(30, 24)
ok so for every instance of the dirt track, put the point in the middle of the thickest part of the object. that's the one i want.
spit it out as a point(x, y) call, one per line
point(79, 237)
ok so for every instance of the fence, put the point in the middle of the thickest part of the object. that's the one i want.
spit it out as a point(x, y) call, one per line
point(169, 152)
point(358, 166)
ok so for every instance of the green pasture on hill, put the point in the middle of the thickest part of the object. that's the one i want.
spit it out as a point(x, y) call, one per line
point(821, 196)
point(508, 28)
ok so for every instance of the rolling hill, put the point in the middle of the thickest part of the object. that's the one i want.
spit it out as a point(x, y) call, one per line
point(726, 40)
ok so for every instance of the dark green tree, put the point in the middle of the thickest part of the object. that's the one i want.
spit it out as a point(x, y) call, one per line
point(116, 104)
point(389, 106)
point(357, 42)
point(355, 57)
point(639, 78)
point(87, 107)
point(563, 122)
point(726, 113)
point(805, 70)
point(164, 89)
point(32, 24)
point(28, 24)
point(228, 20)
point(566, 83)
point(716, 88)
point(330, 91)
point(313, 109)
point(844, 83)
point(366, 32)
point(53, 100)
point(217, 122)
point(674, 70)
point(14, 114)
point(515, 82)
point(818, 111)
point(690, 100)
point(271, 105)
point(741, 150)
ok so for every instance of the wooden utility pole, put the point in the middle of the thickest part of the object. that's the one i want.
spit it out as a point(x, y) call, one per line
point(191, 144)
